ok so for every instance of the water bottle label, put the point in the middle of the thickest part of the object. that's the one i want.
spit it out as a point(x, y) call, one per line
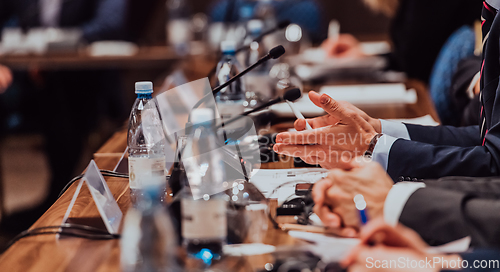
point(204, 219)
point(145, 172)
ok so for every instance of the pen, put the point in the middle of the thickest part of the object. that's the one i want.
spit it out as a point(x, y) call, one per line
point(298, 114)
point(360, 203)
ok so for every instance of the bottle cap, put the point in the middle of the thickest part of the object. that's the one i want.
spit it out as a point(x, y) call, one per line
point(144, 87)
point(228, 46)
point(204, 115)
point(255, 26)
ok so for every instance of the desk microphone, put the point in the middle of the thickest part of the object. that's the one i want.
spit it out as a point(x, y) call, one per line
point(290, 95)
point(281, 25)
point(274, 53)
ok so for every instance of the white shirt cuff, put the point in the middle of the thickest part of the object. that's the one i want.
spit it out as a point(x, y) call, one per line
point(395, 129)
point(382, 149)
point(397, 198)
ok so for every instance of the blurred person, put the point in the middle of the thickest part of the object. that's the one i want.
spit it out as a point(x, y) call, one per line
point(419, 29)
point(440, 211)
point(5, 78)
point(408, 152)
point(397, 248)
point(305, 13)
point(69, 104)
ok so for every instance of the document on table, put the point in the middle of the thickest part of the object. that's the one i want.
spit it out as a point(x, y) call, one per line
point(358, 95)
point(371, 94)
point(328, 248)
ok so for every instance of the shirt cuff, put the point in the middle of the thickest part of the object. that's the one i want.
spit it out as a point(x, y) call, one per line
point(382, 149)
point(396, 200)
point(395, 129)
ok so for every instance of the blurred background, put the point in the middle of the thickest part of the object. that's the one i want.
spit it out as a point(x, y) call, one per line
point(71, 68)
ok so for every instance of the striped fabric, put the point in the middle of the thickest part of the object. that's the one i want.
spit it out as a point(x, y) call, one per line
point(488, 15)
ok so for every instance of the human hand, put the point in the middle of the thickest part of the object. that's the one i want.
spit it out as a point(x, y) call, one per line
point(334, 195)
point(399, 248)
point(346, 46)
point(338, 137)
point(5, 78)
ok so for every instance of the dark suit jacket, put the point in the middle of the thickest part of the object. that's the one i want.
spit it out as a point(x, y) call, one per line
point(441, 151)
point(98, 19)
point(452, 208)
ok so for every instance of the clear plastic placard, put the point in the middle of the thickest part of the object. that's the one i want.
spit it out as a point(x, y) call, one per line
point(106, 204)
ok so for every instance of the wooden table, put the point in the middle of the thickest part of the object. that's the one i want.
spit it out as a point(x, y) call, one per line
point(46, 253)
point(146, 57)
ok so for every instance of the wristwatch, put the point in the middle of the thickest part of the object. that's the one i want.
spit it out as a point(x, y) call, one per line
point(371, 147)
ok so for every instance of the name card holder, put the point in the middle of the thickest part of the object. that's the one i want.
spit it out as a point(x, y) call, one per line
point(107, 206)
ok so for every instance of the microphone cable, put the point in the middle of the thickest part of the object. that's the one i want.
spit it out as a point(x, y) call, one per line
point(105, 173)
point(67, 229)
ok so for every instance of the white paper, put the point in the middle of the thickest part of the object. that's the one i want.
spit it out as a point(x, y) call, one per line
point(328, 248)
point(239, 250)
point(371, 94)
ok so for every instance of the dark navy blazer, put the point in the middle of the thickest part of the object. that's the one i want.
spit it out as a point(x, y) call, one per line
point(436, 152)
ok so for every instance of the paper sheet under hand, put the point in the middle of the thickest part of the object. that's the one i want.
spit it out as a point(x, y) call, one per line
point(328, 248)
point(372, 94)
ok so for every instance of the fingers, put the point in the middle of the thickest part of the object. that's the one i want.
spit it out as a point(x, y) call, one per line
point(319, 191)
point(304, 151)
point(328, 104)
point(378, 232)
point(329, 219)
point(5, 78)
point(315, 136)
point(334, 108)
point(300, 124)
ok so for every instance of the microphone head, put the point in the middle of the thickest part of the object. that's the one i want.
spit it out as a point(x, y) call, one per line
point(284, 24)
point(293, 94)
point(277, 52)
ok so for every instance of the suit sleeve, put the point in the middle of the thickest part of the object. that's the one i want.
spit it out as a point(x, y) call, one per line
point(108, 22)
point(416, 160)
point(440, 216)
point(445, 135)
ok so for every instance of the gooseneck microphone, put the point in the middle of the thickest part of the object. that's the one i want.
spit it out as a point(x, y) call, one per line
point(290, 95)
point(274, 53)
point(279, 26)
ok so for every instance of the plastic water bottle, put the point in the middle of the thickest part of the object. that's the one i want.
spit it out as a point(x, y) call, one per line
point(178, 27)
point(146, 143)
point(230, 100)
point(254, 30)
point(258, 84)
point(204, 207)
point(265, 11)
point(148, 242)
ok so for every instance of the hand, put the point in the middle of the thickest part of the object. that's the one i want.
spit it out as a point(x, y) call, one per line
point(5, 78)
point(346, 46)
point(338, 137)
point(334, 196)
point(392, 244)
